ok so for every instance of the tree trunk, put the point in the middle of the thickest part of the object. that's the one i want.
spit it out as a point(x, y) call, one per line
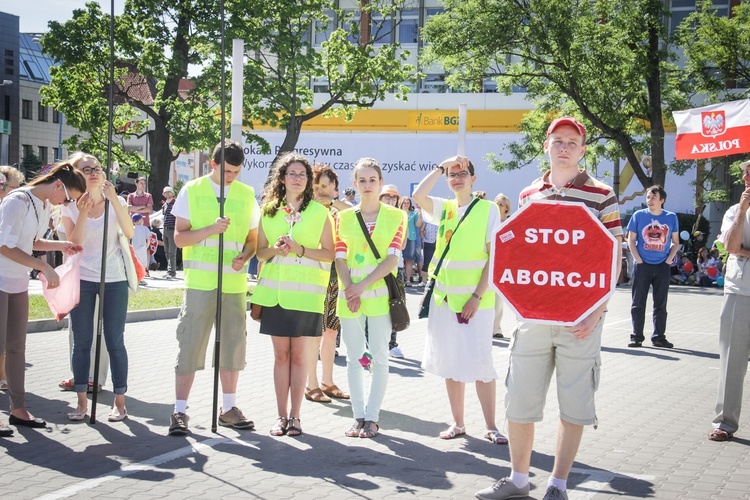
point(293, 130)
point(161, 157)
point(653, 82)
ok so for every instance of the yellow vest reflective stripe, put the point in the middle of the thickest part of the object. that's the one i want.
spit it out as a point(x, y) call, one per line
point(200, 261)
point(361, 261)
point(462, 267)
point(294, 283)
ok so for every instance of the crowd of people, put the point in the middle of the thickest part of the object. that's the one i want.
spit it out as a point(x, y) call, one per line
point(323, 268)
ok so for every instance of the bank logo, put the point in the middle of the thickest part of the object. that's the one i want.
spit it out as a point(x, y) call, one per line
point(419, 119)
point(713, 123)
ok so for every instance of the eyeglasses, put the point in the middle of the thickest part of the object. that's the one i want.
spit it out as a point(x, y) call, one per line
point(92, 170)
point(389, 197)
point(67, 199)
point(292, 175)
point(459, 175)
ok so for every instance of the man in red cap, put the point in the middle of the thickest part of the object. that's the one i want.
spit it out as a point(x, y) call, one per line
point(538, 349)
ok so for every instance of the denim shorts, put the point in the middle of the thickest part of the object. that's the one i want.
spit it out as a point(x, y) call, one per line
point(411, 252)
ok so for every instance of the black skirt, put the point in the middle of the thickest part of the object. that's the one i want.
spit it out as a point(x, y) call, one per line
point(281, 322)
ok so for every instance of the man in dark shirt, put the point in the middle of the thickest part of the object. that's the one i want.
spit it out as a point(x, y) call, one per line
point(170, 249)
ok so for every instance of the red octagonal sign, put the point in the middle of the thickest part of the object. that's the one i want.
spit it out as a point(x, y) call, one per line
point(554, 262)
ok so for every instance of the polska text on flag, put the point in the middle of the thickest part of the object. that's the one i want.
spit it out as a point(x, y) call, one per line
point(711, 131)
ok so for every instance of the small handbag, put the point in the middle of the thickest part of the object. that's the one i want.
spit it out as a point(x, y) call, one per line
point(396, 292)
point(424, 307)
point(134, 270)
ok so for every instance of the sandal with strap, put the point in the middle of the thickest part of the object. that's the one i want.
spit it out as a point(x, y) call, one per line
point(3, 385)
point(495, 437)
point(453, 431)
point(333, 391)
point(720, 435)
point(316, 396)
point(353, 431)
point(280, 428)
point(368, 431)
point(294, 430)
point(67, 385)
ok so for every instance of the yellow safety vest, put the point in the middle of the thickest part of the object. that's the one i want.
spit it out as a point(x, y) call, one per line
point(200, 261)
point(361, 261)
point(462, 267)
point(295, 283)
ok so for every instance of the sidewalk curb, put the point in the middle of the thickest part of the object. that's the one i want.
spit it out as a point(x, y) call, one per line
point(51, 325)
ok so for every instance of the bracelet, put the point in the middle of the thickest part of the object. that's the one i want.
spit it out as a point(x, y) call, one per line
point(474, 294)
point(303, 252)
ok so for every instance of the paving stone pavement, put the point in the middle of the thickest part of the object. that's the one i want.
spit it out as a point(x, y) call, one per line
point(654, 408)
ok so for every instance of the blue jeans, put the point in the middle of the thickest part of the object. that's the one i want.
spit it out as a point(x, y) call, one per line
point(646, 276)
point(82, 321)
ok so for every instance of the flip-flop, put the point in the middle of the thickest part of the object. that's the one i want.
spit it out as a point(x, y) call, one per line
point(495, 437)
point(453, 431)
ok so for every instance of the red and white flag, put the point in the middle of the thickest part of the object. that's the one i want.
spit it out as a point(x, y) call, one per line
point(711, 131)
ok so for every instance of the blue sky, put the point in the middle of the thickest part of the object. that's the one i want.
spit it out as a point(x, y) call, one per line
point(35, 14)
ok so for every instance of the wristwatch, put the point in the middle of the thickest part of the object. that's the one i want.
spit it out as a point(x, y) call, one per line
point(441, 168)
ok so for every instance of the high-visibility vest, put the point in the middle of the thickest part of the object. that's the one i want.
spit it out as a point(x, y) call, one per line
point(462, 267)
point(361, 261)
point(200, 261)
point(295, 283)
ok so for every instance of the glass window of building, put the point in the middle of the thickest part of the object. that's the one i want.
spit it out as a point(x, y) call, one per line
point(55, 116)
point(26, 109)
point(408, 28)
point(43, 154)
point(42, 117)
point(323, 29)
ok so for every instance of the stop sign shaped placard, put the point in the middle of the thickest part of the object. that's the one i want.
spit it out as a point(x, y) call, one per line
point(554, 262)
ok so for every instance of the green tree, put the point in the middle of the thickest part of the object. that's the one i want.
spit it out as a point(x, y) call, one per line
point(606, 61)
point(31, 164)
point(291, 44)
point(156, 41)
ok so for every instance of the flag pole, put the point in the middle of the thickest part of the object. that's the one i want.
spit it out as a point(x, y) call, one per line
point(103, 271)
point(217, 342)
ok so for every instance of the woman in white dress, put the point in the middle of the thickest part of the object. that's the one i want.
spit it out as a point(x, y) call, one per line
point(462, 310)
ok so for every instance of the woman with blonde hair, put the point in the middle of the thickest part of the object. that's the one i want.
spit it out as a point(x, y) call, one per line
point(24, 218)
point(503, 204)
point(84, 224)
point(295, 241)
point(363, 295)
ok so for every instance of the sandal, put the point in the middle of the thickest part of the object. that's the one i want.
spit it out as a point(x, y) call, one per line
point(316, 396)
point(67, 385)
point(453, 431)
point(334, 392)
point(720, 435)
point(280, 428)
point(353, 431)
point(495, 437)
point(368, 431)
point(294, 430)
point(3, 385)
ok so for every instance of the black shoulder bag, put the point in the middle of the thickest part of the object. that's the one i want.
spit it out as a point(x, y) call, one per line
point(424, 307)
point(396, 293)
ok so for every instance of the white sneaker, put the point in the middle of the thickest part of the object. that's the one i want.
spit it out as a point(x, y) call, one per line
point(396, 353)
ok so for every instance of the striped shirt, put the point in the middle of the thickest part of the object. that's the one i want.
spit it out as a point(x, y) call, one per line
point(598, 197)
point(168, 217)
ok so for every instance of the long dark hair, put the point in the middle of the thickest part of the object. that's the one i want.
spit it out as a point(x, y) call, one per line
point(64, 172)
point(275, 192)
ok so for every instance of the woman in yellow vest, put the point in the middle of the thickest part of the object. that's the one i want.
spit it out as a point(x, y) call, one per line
point(295, 240)
point(363, 296)
point(459, 326)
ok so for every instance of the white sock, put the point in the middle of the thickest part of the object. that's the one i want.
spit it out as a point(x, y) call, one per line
point(180, 406)
point(560, 484)
point(228, 401)
point(520, 480)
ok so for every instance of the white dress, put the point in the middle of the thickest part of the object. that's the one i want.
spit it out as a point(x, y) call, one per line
point(461, 352)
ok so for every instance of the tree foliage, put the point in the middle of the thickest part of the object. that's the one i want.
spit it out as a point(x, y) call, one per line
point(161, 44)
point(605, 61)
point(290, 45)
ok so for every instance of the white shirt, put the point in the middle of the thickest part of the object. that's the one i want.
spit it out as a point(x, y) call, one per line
point(181, 206)
point(91, 257)
point(23, 219)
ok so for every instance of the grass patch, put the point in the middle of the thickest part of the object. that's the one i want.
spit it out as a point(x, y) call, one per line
point(143, 300)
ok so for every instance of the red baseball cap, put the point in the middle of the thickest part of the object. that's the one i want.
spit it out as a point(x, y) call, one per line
point(567, 120)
